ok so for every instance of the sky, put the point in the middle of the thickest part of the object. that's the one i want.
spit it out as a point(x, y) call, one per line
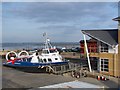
point(62, 21)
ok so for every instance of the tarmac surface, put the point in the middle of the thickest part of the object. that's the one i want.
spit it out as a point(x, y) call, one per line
point(13, 78)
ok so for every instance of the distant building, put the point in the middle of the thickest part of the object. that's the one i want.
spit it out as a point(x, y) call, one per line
point(107, 49)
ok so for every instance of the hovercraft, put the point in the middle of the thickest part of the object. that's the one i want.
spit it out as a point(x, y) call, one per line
point(48, 57)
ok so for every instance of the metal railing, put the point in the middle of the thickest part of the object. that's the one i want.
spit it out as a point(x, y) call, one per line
point(60, 69)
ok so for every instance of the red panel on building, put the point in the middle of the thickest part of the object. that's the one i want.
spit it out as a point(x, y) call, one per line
point(92, 46)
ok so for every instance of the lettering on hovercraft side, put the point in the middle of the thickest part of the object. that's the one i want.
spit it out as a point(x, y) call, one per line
point(17, 63)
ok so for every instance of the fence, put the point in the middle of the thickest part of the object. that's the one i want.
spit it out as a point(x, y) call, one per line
point(60, 69)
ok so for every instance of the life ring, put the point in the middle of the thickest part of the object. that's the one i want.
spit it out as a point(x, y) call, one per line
point(19, 54)
point(10, 56)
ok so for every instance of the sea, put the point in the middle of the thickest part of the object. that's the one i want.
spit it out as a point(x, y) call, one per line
point(29, 45)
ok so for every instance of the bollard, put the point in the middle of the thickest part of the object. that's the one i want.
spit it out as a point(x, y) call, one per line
point(98, 77)
point(103, 78)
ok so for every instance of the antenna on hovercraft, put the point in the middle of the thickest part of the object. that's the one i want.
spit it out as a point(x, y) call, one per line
point(47, 41)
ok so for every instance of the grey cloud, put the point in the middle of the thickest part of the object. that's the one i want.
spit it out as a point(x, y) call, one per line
point(62, 21)
point(59, 12)
point(60, 29)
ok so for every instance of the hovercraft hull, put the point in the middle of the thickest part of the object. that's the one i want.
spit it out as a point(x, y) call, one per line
point(33, 67)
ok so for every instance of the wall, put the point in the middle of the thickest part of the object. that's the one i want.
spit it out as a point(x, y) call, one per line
point(113, 64)
point(111, 50)
point(92, 46)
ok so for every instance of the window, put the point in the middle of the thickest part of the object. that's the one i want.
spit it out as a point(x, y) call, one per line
point(56, 58)
point(39, 59)
point(29, 59)
point(104, 47)
point(104, 65)
point(49, 60)
point(53, 50)
point(45, 52)
point(24, 59)
point(44, 60)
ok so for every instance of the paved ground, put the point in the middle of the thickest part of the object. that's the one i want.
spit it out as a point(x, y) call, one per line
point(13, 78)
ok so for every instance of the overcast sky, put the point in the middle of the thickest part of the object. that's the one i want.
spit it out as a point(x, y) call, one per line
point(62, 21)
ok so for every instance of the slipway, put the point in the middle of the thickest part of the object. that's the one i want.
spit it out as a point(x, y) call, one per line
point(73, 84)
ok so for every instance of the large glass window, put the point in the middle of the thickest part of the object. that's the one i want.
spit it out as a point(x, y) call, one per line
point(104, 65)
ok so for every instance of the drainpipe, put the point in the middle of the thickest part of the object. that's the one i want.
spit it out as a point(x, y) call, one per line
point(86, 48)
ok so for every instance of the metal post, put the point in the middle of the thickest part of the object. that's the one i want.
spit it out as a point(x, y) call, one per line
point(87, 53)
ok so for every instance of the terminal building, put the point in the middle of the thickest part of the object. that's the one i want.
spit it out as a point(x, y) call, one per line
point(104, 49)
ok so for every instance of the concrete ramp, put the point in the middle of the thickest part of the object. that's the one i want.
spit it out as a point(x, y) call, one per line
point(73, 84)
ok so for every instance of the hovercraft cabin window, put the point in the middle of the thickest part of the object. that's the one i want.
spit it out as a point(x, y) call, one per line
point(45, 52)
point(39, 59)
point(44, 60)
point(24, 59)
point(56, 58)
point(49, 60)
point(29, 59)
point(52, 51)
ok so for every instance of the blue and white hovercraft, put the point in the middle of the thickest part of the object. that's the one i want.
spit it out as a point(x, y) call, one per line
point(48, 57)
